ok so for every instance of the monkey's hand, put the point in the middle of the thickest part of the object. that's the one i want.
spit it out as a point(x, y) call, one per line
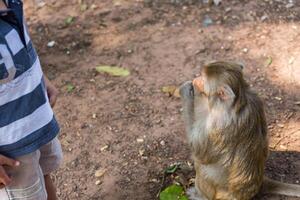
point(186, 91)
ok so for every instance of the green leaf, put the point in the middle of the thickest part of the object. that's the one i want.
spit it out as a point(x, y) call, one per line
point(173, 192)
point(113, 71)
point(70, 87)
point(83, 7)
point(269, 61)
point(69, 20)
point(171, 169)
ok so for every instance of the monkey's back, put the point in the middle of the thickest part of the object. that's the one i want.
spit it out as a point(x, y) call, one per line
point(247, 169)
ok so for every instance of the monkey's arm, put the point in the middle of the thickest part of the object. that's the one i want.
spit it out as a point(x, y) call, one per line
point(187, 97)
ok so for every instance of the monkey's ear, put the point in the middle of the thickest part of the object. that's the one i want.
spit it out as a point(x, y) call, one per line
point(225, 93)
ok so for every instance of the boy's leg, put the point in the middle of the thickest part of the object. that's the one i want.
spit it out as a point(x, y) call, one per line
point(27, 180)
point(51, 158)
point(51, 190)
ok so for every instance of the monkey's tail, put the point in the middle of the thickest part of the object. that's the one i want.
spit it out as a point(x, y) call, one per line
point(275, 187)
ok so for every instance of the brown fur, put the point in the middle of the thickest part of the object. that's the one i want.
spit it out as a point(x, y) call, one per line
point(227, 132)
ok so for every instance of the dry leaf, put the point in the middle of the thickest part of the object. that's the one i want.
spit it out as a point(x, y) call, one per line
point(112, 70)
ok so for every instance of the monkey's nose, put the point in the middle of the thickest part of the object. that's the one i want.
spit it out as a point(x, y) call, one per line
point(198, 84)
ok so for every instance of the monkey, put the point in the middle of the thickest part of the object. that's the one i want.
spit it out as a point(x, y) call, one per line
point(227, 132)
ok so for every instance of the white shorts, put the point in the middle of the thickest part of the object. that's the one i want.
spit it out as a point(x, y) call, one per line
point(28, 178)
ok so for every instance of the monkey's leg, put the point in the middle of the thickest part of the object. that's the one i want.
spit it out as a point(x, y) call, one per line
point(224, 195)
point(203, 185)
point(187, 98)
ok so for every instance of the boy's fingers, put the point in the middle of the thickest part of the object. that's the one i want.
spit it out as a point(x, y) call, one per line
point(4, 179)
point(8, 161)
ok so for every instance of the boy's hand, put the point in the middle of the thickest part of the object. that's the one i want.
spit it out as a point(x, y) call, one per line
point(51, 91)
point(4, 178)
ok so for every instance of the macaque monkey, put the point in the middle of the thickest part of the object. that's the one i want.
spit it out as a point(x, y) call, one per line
point(227, 133)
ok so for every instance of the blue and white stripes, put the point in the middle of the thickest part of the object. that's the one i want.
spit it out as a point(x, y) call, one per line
point(26, 117)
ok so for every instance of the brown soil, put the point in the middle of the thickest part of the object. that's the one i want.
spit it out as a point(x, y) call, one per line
point(162, 44)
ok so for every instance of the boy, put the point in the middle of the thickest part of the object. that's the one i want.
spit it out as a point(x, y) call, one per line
point(29, 149)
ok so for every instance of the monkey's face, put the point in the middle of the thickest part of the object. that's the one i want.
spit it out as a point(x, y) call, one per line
point(220, 86)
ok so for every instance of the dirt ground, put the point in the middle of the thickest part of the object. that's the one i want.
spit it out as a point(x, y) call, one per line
point(126, 126)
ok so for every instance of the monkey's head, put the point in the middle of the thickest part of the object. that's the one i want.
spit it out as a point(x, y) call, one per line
point(222, 84)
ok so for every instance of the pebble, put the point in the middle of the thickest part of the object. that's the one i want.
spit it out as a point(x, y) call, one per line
point(245, 50)
point(141, 152)
point(104, 148)
point(98, 182)
point(100, 172)
point(140, 140)
point(278, 98)
point(162, 143)
point(280, 125)
point(51, 44)
point(263, 18)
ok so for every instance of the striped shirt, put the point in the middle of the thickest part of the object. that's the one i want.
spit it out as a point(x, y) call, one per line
point(26, 119)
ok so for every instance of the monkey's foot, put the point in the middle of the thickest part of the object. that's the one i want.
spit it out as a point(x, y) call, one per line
point(193, 194)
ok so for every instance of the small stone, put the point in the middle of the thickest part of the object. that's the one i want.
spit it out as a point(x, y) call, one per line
point(162, 143)
point(278, 98)
point(297, 103)
point(283, 147)
point(270, 127)
point(51, 44)
point(104, 148)
point(141, 152)
point(200, 30)
point(207, 21)
point(98, 182)
point(140, 140)
point(289, 5)
point(263, 18)
point(280, 125)
point(93, 6)
point(245, 50)
point(94, 116)
point(217, 2)
point(100, 172)
point(227, 9)
point(154, 180)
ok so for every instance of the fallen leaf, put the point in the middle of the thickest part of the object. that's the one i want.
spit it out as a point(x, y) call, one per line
point(173, 192)
point(171, 90)
point(112, 70)
point(269, 61)
point(172, 168)
point(70, 87)
point(83, 7)
point(69, 20)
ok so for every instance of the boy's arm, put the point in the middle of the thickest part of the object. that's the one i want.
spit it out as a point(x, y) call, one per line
point(4, 178)
point(51, 91)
